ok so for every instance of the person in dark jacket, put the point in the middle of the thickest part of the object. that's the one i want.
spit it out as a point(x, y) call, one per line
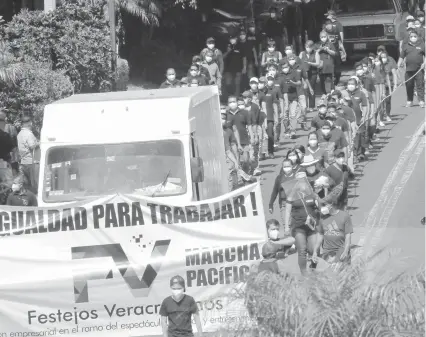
point(171, 81)
point(20, 196)
point(274, 28)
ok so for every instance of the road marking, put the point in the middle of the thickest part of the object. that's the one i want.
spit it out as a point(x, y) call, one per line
point(382, 201)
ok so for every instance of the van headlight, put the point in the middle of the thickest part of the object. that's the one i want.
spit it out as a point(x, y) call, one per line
point(389, 30)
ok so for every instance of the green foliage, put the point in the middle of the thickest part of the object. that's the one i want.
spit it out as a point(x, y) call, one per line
point(10, 69)
point(38, 86)
point(73, 38)
point(369, 298)
point(122, 74)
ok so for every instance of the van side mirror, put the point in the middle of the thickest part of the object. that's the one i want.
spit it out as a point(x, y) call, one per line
point(197, 170)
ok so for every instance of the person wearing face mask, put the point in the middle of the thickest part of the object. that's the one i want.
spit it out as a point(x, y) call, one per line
point(339, 173)
point(313, 149)
point(184, 82)
point(310, 59)
point(318, 121)
point(213, 69)
point(281, 243)
point(231, 151)
point(238, 119)
point(20, 196)
point(301, 215)
point(327, 53)
point(413, 55)
point(272, 69)
point(359, 103)
point(271, 55)
point(334, 30)
point(249, 52)
point(235, 66)
point(202, 70)
point(334, 235)
point(218, 56)
point(255, 41)
point(294, 157)
point(331, 138)
point(171, 81)
point(178, 310)
point(337, 121)
point(273, 28)
point(194, 77)
point(286, 174)
point(391, 84)
point(318, 179)
point(271, 101)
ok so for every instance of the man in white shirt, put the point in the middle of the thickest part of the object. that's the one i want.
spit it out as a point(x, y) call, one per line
point(27, 142)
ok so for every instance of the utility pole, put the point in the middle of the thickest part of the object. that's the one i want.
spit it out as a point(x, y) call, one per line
point(111, 15)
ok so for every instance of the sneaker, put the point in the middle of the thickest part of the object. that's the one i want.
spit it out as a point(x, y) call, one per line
point(422, 104)
point(409, 104)
point(257, 172)
point(271, 156)
point(275, 145)
point(246, 177)
point(262, 156)
point(381, 124)
point(371, 146)
point(293, 135)
point(388, 119)
point(286, 135)
point(367, 152)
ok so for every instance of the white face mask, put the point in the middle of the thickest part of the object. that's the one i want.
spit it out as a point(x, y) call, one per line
point(323, 39)
point(171, 78)
point(233, 41)
point(210, 46)
point(293, 159)
point(241, 106)
point(253, 87)
point(286, 70)
point(322, 112)
point(359, 73)
point(287, 170)
point(233, 106)
point(417, 25)
point(365, 69)
point(177, 293)
point(313, 143)
point(194, 85)
point(288, 52)
point(351, 87)
point(208, 59)
point(325, 132)
point(421, 19)
point(271, 50)
point(193, 72)
point(292, 62)
point(413, 39)
point(261, 86)
point(325, 210)
point(340, 160)
point(308, 50)
point(273, 15)
point(272, 72)
point(377, 64)
point(270, 83)
point(243, 37)
point(16, 187)
point(252, 29)
point(273, 234)
point(311, 169)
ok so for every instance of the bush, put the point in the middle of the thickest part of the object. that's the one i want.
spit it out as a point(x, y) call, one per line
point(38, 86)
point(369, 298)
point(122, 74)
point(73, 38)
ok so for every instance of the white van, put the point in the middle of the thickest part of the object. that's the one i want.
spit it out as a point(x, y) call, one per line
point(165, 143)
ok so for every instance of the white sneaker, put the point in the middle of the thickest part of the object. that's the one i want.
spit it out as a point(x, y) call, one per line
point(388, 119)
point(381, 124)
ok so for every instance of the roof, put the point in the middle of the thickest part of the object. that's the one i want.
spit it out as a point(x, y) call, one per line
point(197, 94)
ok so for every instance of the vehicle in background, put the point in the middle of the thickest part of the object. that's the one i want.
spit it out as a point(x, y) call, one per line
point(164, 143)
point(370, 23)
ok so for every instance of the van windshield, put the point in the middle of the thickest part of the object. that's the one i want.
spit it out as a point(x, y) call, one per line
point(353, 7)
point(154, 168)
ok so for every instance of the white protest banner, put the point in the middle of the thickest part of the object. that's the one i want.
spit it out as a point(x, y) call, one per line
point(103, 267)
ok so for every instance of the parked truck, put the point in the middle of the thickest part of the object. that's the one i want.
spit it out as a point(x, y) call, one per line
point(164, 143)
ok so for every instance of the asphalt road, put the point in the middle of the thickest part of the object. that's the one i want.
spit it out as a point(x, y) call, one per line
point(387, 197)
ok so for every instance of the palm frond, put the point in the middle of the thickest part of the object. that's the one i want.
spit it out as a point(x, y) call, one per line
point(148, 11)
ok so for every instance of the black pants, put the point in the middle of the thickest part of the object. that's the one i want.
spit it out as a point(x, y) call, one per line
point(360, 141)
point(270, 133)
point(337, 67)
point(417, 80)
point(312, 78)
point(327, 83)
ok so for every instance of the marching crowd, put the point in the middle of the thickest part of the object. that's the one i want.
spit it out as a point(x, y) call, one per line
point(268, 94)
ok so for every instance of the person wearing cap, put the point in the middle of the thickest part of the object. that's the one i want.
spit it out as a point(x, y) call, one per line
point(301, 214)
point(316, 176)
point(218, 56)
point(273, 28)
point(421, 17)
point(235, 66)
point(327, 54)
point(313, 149)
point(318, 121)
point(249, 51)
point(231, 152)
point(20, 196)
point(334, 30)
point(271, 55)
point(310, 60)
point(331, 138)
point(171, 81)
point(27, 142)
point(254, 89)
point(213, 68)
point(184, 82)
point(271, 101)
point(194, 76)
point(334, 234)
point(257, 118)
point(413, 56)
point(178, 310)
point(339, 172)
point(238, 119)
